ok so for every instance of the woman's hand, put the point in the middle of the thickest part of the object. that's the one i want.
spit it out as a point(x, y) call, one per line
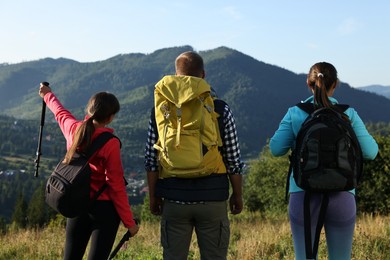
point(134, 230)
point(43, 90)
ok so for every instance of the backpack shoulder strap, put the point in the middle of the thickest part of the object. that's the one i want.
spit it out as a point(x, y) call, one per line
point(99, 142)
point(308, 107)
point(342, 107)
point(219, 107)
point(290, 168)
point(96, 145)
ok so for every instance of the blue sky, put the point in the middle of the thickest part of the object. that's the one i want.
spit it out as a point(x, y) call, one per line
point(353, 35)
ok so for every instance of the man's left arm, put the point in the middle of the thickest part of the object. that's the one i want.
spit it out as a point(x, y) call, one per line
point(151, 167)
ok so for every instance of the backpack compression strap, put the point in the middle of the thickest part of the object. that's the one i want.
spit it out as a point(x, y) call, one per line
point(178, 115)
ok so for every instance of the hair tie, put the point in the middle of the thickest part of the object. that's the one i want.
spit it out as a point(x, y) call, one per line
point(320, 75)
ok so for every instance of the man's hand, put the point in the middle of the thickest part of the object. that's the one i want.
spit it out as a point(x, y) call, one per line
point(155, 205)
point(236, 204)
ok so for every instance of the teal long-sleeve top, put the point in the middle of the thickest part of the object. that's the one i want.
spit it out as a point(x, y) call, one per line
point(284, 138)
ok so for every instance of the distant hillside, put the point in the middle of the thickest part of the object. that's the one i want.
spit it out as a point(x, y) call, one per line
point(259, 93)
point(378, 89)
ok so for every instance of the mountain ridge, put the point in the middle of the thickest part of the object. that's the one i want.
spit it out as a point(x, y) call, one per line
point(258, 93)
point(377, 89)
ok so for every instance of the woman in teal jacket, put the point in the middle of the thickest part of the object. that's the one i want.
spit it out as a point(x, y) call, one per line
point(341, 213)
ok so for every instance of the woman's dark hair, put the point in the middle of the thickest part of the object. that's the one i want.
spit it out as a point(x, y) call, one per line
point(322, 79)
point(100, 108)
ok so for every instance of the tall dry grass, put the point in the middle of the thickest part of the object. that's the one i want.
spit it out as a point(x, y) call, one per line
point(251, 238)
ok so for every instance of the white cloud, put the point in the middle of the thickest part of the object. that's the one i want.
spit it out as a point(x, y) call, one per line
point(348, 26)
point(312, 46)
point(32, 34)
point(232, 12)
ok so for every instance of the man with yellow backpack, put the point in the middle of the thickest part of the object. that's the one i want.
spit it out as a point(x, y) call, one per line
point(191, 153)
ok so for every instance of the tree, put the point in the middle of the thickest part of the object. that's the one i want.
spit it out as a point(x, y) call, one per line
point(37, 209)
point(265, 184)
point(146, 215)
point(19, 217)
point(373, 195)
point(3, 226)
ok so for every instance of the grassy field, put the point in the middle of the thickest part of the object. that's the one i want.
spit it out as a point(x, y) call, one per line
point(251, 238)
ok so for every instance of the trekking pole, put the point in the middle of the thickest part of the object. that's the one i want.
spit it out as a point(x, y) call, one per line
point(125, 238)
point(39, 153)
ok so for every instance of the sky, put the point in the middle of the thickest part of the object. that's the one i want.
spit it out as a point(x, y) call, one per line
point(353, 35)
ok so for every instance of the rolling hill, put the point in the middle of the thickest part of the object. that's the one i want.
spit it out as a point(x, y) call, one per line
point(258, 93)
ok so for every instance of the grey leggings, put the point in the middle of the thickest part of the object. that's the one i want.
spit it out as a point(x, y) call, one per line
point(339, 223)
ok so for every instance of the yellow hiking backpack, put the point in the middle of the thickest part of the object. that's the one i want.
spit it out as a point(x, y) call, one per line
point(187, 127)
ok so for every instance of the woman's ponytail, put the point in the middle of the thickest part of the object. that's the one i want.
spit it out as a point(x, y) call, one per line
point(81, 139)
point(100, 108)
point(322, 79)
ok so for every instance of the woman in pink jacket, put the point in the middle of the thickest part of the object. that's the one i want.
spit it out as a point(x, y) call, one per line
point(101, 222)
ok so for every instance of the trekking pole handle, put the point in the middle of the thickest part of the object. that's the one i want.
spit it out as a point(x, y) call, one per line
point(125, 238)
point(39, 153)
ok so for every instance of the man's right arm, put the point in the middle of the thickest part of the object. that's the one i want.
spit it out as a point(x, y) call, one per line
point(155, 204)
point(151, 167)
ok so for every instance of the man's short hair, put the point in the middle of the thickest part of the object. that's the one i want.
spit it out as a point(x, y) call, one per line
point(189, 64)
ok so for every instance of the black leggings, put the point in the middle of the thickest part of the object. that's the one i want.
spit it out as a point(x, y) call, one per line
point(100, 224)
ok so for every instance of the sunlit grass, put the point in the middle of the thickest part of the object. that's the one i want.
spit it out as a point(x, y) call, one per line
point(252, 237)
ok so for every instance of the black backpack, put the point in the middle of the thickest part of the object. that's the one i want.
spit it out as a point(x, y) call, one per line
point(68, 186)
point(327, 155)
point(327, 158)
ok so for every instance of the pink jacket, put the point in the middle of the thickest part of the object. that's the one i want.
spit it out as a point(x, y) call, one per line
point(106, 164)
